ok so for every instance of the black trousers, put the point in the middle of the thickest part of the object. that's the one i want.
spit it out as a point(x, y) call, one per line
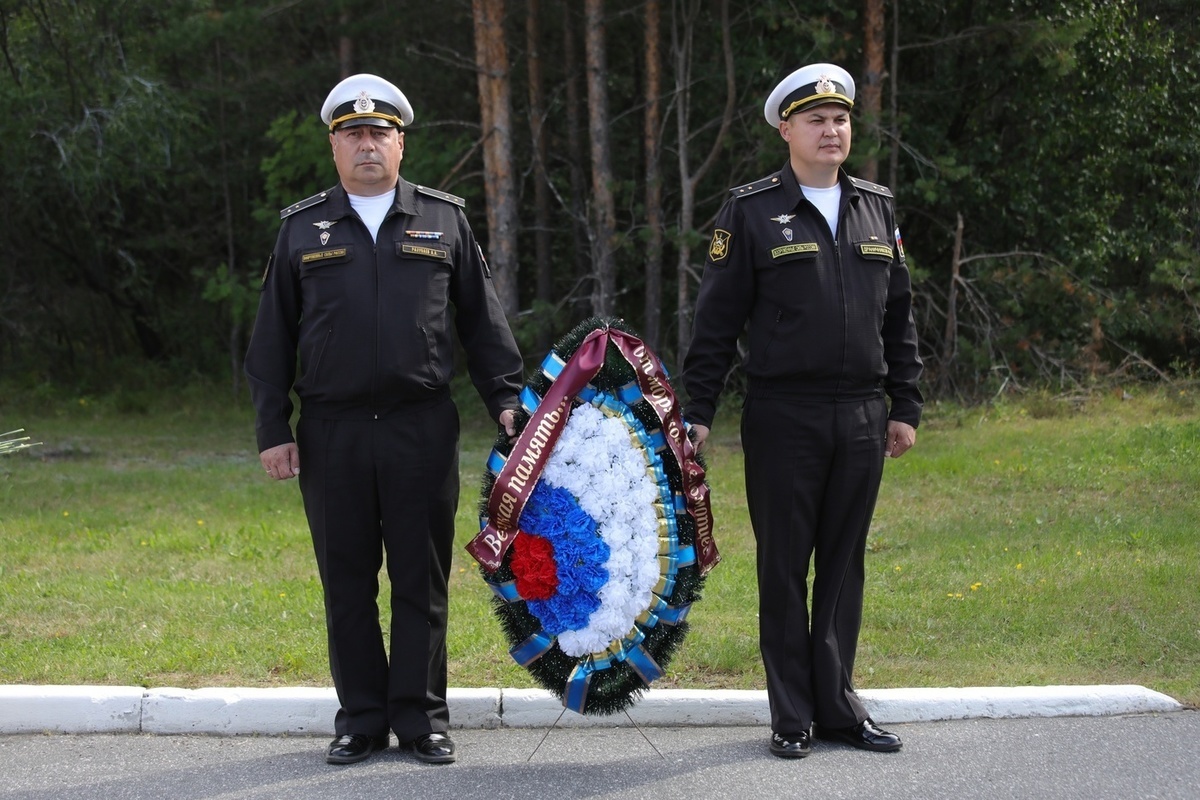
point(384, 486)
point(812, 478)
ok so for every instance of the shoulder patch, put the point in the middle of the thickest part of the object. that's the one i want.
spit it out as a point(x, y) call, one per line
point(871, 187)
point(755, 187)
point(718, 249)
point(303, 204)
point(449, 198)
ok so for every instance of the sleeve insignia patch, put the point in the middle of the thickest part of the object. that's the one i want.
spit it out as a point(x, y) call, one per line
point(719, 249)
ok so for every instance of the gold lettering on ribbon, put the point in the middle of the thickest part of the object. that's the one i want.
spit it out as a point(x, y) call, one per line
point(663, 401)
point(528, 458)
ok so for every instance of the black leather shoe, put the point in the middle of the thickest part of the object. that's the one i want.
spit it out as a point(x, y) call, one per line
point(434, 748)
point(791, 745)
point(353, 747)
point(866, 735)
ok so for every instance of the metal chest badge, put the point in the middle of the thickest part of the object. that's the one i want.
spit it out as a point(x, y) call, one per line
point(323, 226)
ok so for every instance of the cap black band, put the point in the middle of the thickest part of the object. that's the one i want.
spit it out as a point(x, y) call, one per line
point(809, 94)
point(382, 110)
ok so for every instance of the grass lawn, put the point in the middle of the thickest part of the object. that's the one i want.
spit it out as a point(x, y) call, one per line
point(1028, 542)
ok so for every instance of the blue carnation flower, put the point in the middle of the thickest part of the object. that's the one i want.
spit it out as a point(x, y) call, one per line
point(579, 554)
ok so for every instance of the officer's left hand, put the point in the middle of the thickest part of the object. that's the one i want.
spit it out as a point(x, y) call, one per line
point(508, 420)
point(900, 438)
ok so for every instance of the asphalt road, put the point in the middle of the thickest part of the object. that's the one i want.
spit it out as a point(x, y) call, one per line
point(1097, 758)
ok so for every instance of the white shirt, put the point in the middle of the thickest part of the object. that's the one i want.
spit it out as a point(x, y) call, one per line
point(827, 202)
point(372, 210)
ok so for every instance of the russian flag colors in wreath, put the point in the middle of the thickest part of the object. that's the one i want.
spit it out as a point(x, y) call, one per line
point(596, 528)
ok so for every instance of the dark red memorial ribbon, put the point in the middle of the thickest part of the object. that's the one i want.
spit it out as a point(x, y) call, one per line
point(520, 473)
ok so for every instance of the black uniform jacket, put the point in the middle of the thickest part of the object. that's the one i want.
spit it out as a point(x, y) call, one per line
point(371, 320)
point(827, 319)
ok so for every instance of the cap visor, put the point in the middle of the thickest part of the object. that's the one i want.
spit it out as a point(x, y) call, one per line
point(375, 121)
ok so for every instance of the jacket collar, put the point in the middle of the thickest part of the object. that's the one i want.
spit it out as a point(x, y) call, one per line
point(405, 201)
point(791, 186)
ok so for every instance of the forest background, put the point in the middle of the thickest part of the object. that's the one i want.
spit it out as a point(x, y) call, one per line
point(1044, 155)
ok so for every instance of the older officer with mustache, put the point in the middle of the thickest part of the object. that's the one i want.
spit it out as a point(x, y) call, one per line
point(367, 286)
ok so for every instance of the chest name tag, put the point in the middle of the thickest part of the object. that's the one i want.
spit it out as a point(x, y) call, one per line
point(792, 249)
point(321, 255)
point(875, 250)
point(417, 250)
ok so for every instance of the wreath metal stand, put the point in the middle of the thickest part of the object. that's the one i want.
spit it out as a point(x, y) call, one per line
point(560, 716)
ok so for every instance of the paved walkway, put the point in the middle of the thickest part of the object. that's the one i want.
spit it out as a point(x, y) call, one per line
point(1090, 758)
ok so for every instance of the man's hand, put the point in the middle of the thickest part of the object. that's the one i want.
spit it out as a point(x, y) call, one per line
point(508, 420)
point(281, 462)
point(900, 438)
point(699, 433)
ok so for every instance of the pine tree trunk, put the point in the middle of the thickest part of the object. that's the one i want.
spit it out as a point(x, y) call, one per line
point(541, 186)
point(603, 208)
point(495, 103)
point(870, 98)
point(653, 146)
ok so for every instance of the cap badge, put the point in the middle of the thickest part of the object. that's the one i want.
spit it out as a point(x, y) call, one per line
point(783, 219)
point(824, 85)
point(364, 104)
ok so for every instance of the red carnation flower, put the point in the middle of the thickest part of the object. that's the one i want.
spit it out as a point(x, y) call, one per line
point(533, 564)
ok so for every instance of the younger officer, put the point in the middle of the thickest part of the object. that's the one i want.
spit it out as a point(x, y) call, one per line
point(363, 284)
point(811, 258)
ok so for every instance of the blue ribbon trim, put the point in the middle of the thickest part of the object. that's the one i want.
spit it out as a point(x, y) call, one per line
point(644, 665)
point(496, 462)
point(530, 400)
point(662, 611)
point(552, 365)
point(532, 648)
point(630, 393)
point(506, 591)
point(576, 691)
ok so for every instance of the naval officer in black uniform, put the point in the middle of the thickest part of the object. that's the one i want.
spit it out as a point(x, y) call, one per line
point(366, 286)
point(811, 259)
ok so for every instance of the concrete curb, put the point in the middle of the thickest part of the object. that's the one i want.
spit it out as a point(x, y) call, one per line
point(309, 711)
